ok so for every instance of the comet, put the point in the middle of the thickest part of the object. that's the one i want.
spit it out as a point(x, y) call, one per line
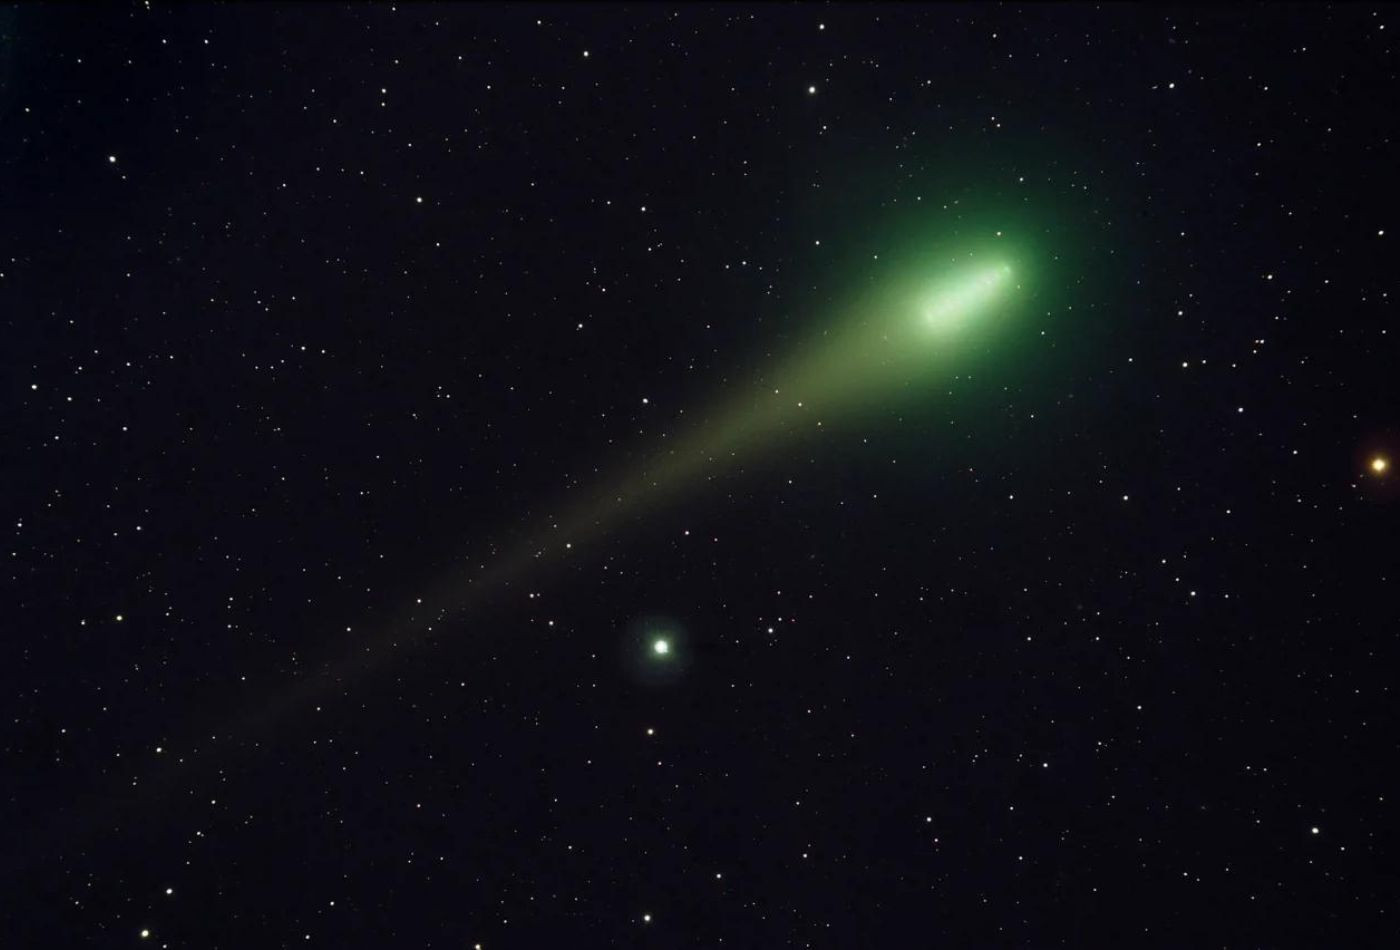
point(907, 331)
point(889, 342)
point(917, 321)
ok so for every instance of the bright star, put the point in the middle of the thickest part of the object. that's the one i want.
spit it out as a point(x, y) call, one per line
point(1379, 464)
point(661, 647)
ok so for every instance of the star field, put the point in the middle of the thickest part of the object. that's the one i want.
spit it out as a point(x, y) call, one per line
point(731, 476)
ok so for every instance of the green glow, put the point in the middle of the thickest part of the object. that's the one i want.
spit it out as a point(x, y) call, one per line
point(953, 303)
point(661, 647)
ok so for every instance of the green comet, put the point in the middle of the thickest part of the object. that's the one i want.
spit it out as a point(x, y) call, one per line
point(911, 328)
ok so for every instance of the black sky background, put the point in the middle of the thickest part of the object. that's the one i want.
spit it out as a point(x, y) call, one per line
point(1079, 654)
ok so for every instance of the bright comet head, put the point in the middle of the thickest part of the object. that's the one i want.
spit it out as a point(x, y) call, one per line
point(661, 646)
point(961, 297)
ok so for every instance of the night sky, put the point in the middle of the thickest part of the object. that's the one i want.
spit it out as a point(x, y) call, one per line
point(422, 529)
